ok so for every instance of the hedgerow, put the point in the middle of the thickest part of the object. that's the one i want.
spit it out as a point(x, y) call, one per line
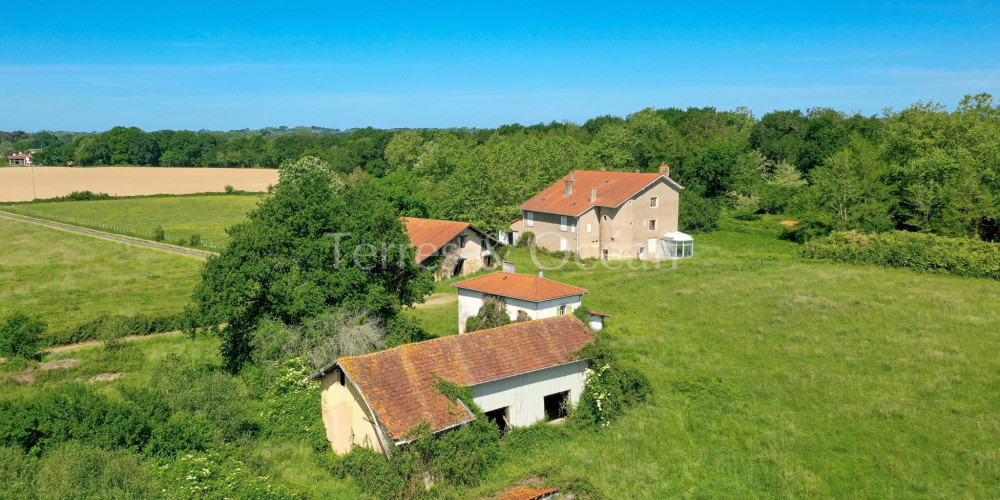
point(118, 325)
point(918, 251)
point(612, 386)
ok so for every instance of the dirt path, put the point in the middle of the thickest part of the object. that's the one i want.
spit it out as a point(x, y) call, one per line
point(190, 252)
point(92, 343)
point(438, 299)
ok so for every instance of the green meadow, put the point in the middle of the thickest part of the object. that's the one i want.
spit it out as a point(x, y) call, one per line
point(67, 278)
point(208, 216)
point(773, 376)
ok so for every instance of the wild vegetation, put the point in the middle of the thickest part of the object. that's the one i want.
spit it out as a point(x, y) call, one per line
point(774, 374)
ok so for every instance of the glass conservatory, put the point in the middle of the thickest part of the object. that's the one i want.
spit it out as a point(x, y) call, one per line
point(676, 245)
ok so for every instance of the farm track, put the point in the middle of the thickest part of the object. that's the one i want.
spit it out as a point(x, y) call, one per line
point(190, 252)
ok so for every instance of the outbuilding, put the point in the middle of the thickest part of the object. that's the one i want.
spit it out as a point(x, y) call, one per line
point(534, 296)
point(519, 374)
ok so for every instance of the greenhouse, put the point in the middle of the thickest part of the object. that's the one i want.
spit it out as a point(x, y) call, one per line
point(676, 245)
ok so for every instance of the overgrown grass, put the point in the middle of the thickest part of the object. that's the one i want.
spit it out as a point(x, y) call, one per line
point(67, 278)
point(788, 378)
point(208, 216)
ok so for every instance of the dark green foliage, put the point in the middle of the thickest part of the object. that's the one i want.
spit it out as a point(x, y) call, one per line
point(74, 412)
point(78, 196)
point(158, 234)
point(404, 330)
point(613, 385)
point(195, 240)
point(922, 252)
point(526, 240)
point(20, 335)
point(182, 432)
point(697, 214)
point(491, 315)
point(314, 245)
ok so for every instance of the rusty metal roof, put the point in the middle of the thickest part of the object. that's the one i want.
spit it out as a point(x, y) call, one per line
point(429, 235)
point(400, 384)
point(613, 188)
point(520, 286)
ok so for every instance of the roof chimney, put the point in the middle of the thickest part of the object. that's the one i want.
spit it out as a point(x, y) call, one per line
point(568, 184)
point(637, 170)
point(508, 266)
point(593, 195)
point(540, 273)
point(602, 169)
point(665, 169)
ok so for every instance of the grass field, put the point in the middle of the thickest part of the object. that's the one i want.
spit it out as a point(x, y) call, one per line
point(68, 278)
point(25, 183)
point(772, 376)
point(180, 216)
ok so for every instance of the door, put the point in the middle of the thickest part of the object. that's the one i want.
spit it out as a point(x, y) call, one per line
point(562, 244)
point(651, 244)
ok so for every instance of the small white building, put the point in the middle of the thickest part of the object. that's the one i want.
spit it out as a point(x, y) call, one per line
point(536, 296)
point(519, 374)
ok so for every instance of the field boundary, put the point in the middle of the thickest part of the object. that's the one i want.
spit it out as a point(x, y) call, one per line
point(166, 247)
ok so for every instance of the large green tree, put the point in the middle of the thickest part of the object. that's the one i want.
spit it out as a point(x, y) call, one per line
point(316, 244)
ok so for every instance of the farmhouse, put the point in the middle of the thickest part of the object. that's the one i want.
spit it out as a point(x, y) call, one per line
point(608, 215)
point(20, 159)
point(461, 247)
point(534, 296)
point(519, 374)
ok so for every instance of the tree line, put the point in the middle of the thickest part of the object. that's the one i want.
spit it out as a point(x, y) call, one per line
point(923, 169)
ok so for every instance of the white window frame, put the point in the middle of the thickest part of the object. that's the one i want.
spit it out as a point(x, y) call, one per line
point(654, 202)
point(652, 224)
point(529, 218)
point(562, 222)
point(563, 244)
point(588, 228)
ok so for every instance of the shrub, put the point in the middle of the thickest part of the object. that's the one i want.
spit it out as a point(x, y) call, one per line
point(612, 386)
point(117, 326)
point(17, 473)
point(158, 234)
point(20, 335)
point(526, 240)
point(491, 315)
point(230, 189)
point(918, 251)
point(183, 432)
point(401, 330)
point(214, 475)
point(697, 214)
point(75, 470)
point(195, 240)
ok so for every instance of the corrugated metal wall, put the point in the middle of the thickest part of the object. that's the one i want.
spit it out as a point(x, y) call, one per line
point(525, 394)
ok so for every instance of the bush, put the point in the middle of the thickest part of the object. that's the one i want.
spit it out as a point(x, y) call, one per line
point(526, 240)
point(401, 330)
point(75, 470)
point(117, 326)
point(697, 214)
point(491, 315)
point(158, 234)
point(183, 432)
point(20, 335)
point(611, 387)
point(230, 189)
point(195, 240)
point(17, 473)
point(922, 252)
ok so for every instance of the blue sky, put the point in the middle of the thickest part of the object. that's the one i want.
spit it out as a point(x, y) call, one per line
point(192, 65)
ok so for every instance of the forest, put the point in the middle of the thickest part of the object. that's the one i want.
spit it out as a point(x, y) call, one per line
point(923, 169)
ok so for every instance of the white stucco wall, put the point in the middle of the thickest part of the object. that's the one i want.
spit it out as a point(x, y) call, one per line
point(524, 394)
point(471, 301)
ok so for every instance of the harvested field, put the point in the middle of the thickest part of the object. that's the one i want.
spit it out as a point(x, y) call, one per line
point(15, 182)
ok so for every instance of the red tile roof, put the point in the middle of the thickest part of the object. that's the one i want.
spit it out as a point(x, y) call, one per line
point(400, 384)
point(520, 286)
point(613, 188)
point(515, 493)
point(428, 235)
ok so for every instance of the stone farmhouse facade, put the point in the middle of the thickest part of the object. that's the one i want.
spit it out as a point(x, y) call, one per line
point(456, 248)
point(606, 215)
